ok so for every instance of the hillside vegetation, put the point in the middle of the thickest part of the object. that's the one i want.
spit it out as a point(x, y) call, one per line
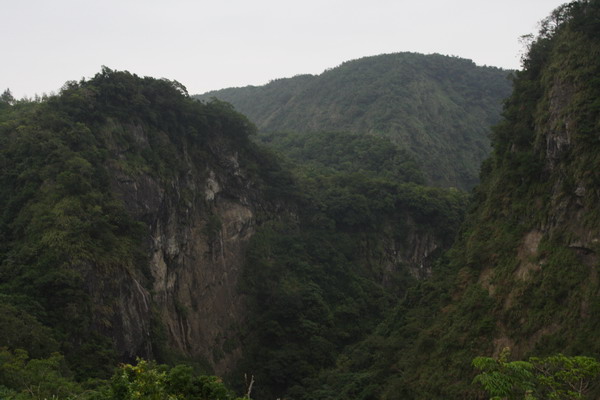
point(122, 198)
point(75, 256)
point(323, 280)
point(310, 264)
point(438, 108)
point(524, 273)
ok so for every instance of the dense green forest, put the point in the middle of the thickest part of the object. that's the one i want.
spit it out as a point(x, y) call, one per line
point(523, 274)
point(341, 245)
point(150, 241)
point(68, 243)
point(327, 153)
point(436, 107)
point(323, 282)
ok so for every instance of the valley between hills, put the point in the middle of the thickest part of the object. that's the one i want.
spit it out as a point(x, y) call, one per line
point(402, 226)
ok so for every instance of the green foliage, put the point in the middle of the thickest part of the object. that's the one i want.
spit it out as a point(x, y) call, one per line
point(529, 181)
point(505, 379)
point(58, 218)
point(320, 281)
point(524, 267)
point(20, 330)
point(554, 377)
point(6, 98)
point(333, 312)
point(317, 278)
point(319, 153)
point(68, 241)
point(564, 377)
point(24, 378)
point(438, 108)
point(149, 381)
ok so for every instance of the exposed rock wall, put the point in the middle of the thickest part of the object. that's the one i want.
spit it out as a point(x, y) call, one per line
point(198, 224)
point(416, 251)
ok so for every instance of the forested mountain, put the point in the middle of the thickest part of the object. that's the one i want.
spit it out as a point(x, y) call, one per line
point(138, 222)
point(438, 108)
point(324, 152)
point(108, 191)
point(524, 272)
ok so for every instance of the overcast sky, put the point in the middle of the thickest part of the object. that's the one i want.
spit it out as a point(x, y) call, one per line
point(213, 44)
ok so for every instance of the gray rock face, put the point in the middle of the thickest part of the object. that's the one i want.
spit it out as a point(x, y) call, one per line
point(199, 225)
point(415, 252)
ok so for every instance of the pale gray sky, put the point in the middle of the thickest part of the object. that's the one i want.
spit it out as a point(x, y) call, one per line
point(213, 44)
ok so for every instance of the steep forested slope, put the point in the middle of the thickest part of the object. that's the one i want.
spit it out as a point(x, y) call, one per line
point(324, 281)
point(111, 194)
point(439, 108)
point(524, 273)
point(136, 221)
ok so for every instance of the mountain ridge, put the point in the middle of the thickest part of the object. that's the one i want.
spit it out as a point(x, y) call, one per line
point(138, 222)
point(439, 108)
point(523, 273)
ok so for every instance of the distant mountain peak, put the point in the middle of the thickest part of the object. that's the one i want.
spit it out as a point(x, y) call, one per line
point(440, 108)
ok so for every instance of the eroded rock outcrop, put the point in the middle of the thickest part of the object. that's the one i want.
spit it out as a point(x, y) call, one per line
point(198, 226)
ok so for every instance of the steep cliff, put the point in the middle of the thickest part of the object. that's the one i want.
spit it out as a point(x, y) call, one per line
point(199, 224)
point(128, 208)
point(540, 264)
point(138, 222)
point(524, 272)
